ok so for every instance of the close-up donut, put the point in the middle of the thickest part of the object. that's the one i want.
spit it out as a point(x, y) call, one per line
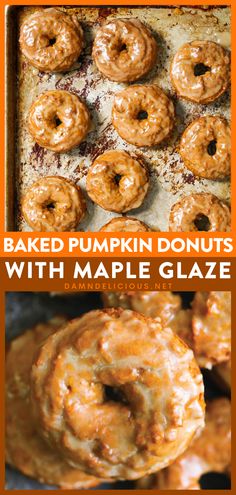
point(117, 394)
point(125, 224)
point(165, 306)
point(200, 71)
point(124, 50)
point(143, 115)
point(200, 212)
point(51, 40)
point(26, 450)
point(206, 147)
point(117, 182)
point(53, 204)
point(209, 453)
point(212, 327)
point(58, 120)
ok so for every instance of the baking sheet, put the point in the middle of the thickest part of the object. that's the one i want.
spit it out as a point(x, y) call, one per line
point(26, 309)
point(169, 178)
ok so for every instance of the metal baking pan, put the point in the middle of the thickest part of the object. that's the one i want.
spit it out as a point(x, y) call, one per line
point(26, 309)
point(169, 178)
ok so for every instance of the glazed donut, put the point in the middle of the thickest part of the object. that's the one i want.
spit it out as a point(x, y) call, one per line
point(58, 120)
point(53, 204)
point(206, 147)
point(117, 394)
point(143, 115)
point(210, 452)
point(200, 71)
point(162, 305)
point(212, 327)
point(117, 182)
point(25, 449)
point(51, 41)
point(200, 212)
point(125, 224)
point(124, 50)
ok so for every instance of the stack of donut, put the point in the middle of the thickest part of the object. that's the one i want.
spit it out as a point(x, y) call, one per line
point(110, 395)
point(125, 50)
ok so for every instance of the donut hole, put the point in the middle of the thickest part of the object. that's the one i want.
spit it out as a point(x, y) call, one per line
point(57, 121)
point(211, 148)
point(113, 394)
point(142, 115)
point(202, 223)
point(201, 69)
point(117, 179)
point(122, 47)
point(50, 206)
point(215, 481)
point(52, 41)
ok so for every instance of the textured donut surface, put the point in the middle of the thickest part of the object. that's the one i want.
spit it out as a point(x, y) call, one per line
point(51, 40)
point(58, 120)
point(124, 50)
point(200, 71)
point(53, 204)
point(117, 394)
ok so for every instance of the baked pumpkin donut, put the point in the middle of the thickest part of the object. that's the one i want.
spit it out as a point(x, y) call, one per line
point(212, 327)
point(200, 71)
point(25, 449)
point(117, 394)
point(51, 40)
point(200, 212)
point(124, 50)
point(210, 452)
point(206, 147)
point(53, 204)
point(143, 115)
point(58, 120)
point(125, 224)
point(163, 305)
point(117, 182)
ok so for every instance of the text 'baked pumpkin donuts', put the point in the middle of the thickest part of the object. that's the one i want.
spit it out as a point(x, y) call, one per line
point(124, 50)
point(117, 394)
point(26, 450)
point(117, 182)
point(58, 120)
point(210, 452)
point(53, 204)
point(200, 71)
point(51, 40)
point(200, 212)
point(143, 115)
point(205, 147)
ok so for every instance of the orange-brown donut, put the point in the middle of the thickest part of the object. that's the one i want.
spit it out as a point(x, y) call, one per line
point(206, 147)
point(212, 327)
point(210, 452)
point(58, 120)
point(117, 182)
point(25, 449)
point(53, 204)
point(117, 394)
point(143, 115)
point(125, 224)
point(51, 40)
point(163, 305)
point(200, 212)
point(200, 71)
point(124, 50)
